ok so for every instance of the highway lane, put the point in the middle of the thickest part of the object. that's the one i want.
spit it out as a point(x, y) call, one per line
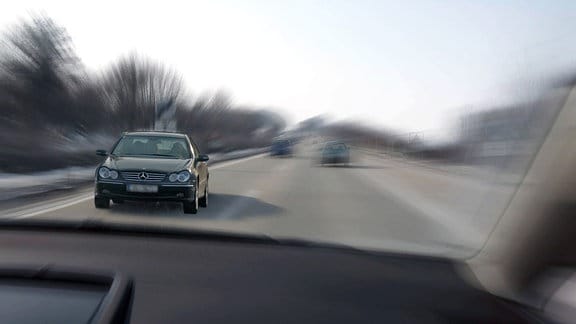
point(292, 197)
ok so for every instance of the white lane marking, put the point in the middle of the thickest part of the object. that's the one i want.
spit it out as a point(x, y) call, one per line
point(61, 205)
point(225, 164)
point(43, 209)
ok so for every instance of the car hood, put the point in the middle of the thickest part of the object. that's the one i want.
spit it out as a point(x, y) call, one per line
point(150, 164)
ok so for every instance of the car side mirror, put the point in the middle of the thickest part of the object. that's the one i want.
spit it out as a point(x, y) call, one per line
point(202, 158)
point(101, 153)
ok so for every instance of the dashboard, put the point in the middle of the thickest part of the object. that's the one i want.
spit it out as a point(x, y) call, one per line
point(122, 277)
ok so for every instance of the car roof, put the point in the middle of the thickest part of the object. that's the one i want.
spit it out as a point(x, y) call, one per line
point(330, 143)
point(156, 133)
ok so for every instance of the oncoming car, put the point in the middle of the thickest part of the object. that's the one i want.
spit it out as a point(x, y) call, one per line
point(154, 166)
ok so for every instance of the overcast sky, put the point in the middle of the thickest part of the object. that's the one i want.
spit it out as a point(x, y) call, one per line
point(409, 65)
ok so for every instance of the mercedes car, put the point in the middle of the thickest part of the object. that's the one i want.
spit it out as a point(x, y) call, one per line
point(156, 166)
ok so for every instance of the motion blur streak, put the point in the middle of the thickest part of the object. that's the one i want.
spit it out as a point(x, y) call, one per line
point(51, 102)
point(55, 113)
point(490, 189)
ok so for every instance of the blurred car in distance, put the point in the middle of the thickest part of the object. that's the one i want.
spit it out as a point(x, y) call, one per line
point(156, 166)
point(334, 153)
point(281, 147)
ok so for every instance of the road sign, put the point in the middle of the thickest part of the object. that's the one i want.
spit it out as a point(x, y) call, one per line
point(165, 116)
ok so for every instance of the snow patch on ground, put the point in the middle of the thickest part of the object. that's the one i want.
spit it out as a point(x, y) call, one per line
point(18, 185)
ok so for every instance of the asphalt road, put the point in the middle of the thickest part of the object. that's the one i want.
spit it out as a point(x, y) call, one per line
point(374, 203)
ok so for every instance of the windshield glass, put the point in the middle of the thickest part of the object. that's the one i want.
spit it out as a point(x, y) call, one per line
point(281, 144)
point(172, 147)
point(381, 125)
point(335, 147)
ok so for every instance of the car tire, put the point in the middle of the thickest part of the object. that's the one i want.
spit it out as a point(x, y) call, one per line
point(101, 203)
point(191, 207)
point(203, 202)
point(118, 201)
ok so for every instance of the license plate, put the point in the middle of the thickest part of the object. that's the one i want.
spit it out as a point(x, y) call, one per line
point(141, 188)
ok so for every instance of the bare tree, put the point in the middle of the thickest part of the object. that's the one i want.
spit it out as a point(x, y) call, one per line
point(38, 69)
point(48, 100)
point(134, 85)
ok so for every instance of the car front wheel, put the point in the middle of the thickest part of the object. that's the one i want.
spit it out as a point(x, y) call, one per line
point(203, 202)
point(100, 202)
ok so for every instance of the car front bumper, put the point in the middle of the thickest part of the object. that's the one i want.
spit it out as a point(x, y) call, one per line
point(280, 152)
point(166, 192)
point(334, 159)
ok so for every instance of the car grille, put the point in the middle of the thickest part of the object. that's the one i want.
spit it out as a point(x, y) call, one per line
point(135, 176)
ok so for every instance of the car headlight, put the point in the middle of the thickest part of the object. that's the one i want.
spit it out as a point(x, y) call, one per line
point(173, 177)
point(183, 176)
point(104, 173)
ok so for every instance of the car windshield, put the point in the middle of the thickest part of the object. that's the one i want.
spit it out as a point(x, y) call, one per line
point(156, 146)
point(404, 126)
point(281, 144)
point(335, 147)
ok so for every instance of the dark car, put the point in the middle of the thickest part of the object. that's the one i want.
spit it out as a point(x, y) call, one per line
point(281, 147)
point(334, 153)
point(155, 166)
